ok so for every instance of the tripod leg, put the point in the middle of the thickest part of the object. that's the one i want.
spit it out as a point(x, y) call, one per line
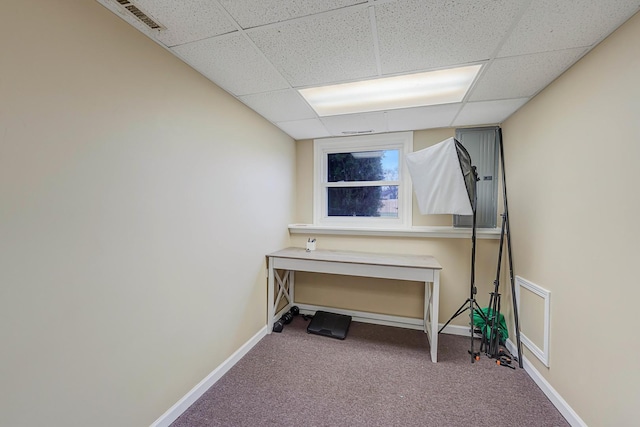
point(484, 343)
point(495, 329)
point(460, 310)
point(495, 295)
point(486, 336)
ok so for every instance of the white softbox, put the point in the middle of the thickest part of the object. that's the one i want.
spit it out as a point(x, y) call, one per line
point(439, 180)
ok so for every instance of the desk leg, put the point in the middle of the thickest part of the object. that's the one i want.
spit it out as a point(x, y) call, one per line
point(292, 283)
point(270, 295)
point(435, 303)
point(431, 303)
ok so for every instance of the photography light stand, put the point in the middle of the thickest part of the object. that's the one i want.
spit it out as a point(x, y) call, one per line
point(445, 182)
point(470, 303)
point(493, 344)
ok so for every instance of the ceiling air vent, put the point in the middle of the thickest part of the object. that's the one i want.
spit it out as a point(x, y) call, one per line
point(140, 15)
point(356, 132)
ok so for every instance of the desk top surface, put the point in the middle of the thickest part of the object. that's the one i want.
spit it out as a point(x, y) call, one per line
point(396, 260)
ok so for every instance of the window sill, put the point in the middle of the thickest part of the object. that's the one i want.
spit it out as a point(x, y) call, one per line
point(433, 231)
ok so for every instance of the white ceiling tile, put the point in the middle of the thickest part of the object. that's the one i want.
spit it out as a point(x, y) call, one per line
point(235, 66)
point(304, 129)
point(186, 20)
point(418, 34)
point(280, 105)
point(555, 25)
point(260, 50)
point(251, 13)
point(488, 112)
point(321, 49)
point(434, 116)
point(355, 123)
point(522, 76)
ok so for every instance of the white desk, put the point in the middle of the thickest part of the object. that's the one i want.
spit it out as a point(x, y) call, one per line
point(401, 267)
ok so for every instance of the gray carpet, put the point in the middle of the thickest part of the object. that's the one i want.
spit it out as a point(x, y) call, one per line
point(378, 376)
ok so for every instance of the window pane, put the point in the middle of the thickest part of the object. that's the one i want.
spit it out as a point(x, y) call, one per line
point(376, 201)
point(380, 165)
point(389, 201)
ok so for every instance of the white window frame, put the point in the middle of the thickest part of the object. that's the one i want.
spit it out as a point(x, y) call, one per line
point(402, 141)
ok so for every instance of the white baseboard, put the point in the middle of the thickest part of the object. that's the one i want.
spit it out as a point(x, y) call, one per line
point(365, 317)
point(561, 405)
point(194, 394)
point(385, 319)
point(457, 330)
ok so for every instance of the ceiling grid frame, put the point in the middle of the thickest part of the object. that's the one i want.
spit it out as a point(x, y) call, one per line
point(273, 95)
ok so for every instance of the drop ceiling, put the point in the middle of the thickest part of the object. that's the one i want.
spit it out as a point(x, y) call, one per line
point(262, 51)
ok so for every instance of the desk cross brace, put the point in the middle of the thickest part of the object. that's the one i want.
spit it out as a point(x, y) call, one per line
point(284, 288)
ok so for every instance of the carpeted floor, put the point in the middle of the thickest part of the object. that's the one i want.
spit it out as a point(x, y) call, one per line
point(378, 376)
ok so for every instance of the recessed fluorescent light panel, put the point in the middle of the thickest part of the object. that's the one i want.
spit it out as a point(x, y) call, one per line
point(390, 93)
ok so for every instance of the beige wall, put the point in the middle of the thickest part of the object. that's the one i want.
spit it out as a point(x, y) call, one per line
point(395, 297)
point(387, 296)
point(572, 173)
point(137, 201)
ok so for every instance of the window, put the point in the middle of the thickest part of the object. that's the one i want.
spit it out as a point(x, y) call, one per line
point(362, 181)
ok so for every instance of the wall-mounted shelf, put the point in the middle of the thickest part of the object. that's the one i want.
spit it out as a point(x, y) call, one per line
point(423, 232)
